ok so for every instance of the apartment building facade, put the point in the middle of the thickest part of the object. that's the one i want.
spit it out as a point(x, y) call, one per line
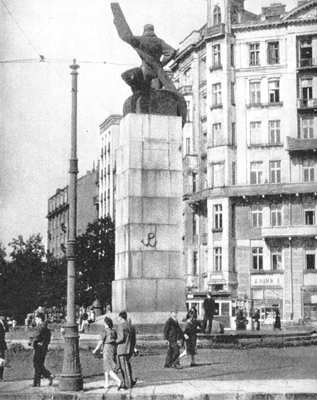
point(250, 178)
point(109, 130)
point(58, 212)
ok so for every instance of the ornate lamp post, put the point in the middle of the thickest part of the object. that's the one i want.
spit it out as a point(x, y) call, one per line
point(71, 378)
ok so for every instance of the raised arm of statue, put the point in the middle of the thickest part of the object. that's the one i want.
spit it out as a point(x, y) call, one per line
point(122, 26)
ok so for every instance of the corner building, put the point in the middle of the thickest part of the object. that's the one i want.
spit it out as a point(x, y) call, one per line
point(58, 212)
point(250, 82)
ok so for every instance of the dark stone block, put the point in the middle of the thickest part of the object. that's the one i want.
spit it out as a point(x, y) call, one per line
point(159, 102)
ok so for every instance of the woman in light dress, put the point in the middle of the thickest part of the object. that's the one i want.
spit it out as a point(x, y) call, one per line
point(108, 343)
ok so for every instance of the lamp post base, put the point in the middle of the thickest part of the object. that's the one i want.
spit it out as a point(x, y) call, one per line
point(71, 379)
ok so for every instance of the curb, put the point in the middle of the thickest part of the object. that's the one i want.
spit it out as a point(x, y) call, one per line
point(130, 396)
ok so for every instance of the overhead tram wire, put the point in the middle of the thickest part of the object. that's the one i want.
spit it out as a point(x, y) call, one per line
point(43, 59)
point(20, 28)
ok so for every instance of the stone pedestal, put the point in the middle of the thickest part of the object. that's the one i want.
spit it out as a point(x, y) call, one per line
point(149, 273)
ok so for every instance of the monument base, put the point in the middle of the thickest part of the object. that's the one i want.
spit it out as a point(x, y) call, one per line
point(153, 299)
point(149, 270)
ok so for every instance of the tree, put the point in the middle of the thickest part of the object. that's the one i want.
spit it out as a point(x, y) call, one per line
point(95, 262)
point(54, 282)
point(22, 276)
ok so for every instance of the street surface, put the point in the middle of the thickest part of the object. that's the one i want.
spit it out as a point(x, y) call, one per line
point(218, 364)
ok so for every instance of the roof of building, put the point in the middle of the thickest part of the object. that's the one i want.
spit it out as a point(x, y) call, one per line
point(271, 16)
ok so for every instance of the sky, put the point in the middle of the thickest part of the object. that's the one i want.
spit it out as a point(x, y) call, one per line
point(35, 96)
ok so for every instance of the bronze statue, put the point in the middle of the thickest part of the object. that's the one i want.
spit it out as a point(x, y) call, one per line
point(147, 81)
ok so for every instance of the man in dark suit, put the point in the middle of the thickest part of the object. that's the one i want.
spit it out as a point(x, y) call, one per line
point(3, 345)
point(40, 344)
point(125, 347)
point(209, 308)
point(174, 335)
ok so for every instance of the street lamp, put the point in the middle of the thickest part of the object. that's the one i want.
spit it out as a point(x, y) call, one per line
point(71, 378)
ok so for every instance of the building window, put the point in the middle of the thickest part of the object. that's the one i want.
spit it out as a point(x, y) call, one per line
point(187, 145)
point(306, 53)
point(233, 134)
point(310, 259)
point(218, 259)
point(256, 217)
point(274, 91)
point(273, 53)
point(216, 94)
point(257, 258)
point(276, 260)
point(202, 69)
point(255, 132)
point(195, 263)
point(276, 215)
point(254, 54)
point(216, 56)
point(218, 216)
point(217, 15)
point(310, 217)
point(218, 175)
point(233, 177)
point(306, 90)
point(187, 77)
point(275, 171)
point(194, 225)
point(189, 112)
point(307, 128)
point(309, 171)
point(256, 172)
point(194, 177)
point(232, 55)
point(233, 99)
point(255, 93)
point(275, 132)
point(217, 139)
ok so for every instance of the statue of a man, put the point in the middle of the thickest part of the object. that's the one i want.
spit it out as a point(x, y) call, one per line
point(159, 51)
point(145, 81)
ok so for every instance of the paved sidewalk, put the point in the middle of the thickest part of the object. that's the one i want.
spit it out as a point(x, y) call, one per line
point(190, 389)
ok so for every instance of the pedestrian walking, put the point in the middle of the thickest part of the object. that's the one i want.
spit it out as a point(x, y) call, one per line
point(3, 345)
point(40, 344)
point(108, 345)
point(126, 342)
point(190, 336)
point(209, 311)
point(256, 320)
point(174, 336)
point(277, 318)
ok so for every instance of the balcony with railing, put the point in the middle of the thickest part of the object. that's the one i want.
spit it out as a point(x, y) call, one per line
point(306, 104)
point(244, 191)
point(300, 144)
point(191, 161)
point(216, 278)
point(307, 63)
point(186, 89)
point(217, 30)
point(289, 231)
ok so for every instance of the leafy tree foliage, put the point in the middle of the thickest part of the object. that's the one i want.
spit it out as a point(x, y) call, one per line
point(22, 276)
point(53, 290)
point(95, 262)
point(30, 278)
